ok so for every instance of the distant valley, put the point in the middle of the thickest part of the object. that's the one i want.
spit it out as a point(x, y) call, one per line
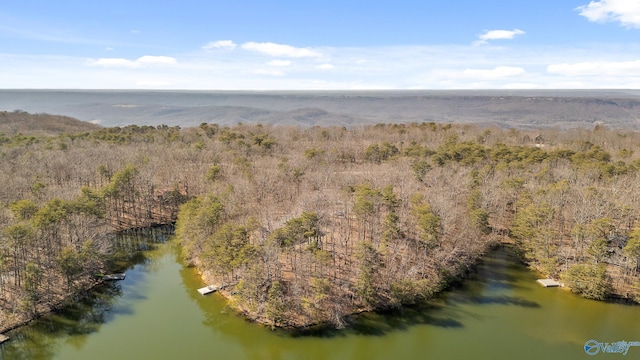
point(562, 109)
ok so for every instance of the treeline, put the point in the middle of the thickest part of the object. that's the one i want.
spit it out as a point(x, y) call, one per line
point(311, 224)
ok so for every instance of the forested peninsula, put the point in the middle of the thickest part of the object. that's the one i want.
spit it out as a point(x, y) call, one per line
point(308, 225)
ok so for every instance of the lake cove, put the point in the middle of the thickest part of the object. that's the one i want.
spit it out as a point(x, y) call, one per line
point(499, 312)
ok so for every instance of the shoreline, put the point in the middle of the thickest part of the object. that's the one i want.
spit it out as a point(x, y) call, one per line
point(46, 309)
point(207, 278)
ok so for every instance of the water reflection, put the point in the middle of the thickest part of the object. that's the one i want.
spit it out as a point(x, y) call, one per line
point(132, 247)
point(40, 339)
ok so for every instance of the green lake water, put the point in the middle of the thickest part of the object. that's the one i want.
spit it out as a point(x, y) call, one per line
point(156, 313)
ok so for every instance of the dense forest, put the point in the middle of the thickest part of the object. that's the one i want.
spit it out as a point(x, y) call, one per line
point(309, 225)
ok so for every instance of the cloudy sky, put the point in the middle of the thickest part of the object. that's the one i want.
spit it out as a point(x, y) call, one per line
point(345, 44)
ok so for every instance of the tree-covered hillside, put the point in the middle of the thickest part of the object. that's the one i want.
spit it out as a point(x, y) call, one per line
point(20, 122)
point(308, 225)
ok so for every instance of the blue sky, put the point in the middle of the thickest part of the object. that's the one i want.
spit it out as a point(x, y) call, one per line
point(278, 45)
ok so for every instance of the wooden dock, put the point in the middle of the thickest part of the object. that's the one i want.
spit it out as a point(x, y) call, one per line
point(208, 289)
point(3, 338)
point(548, 283)
point(113, 277)
point(213, 288)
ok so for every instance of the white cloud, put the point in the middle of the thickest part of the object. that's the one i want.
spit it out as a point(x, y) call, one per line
point(596, 68)
point(626, 12)
point(139, 62)
point(496, 73)
point(325, 67)
point(498, 35)
point(114, 62)
point(270, 72)
point(279, 63)
point(521, 86)
point(152, 83)
point(282, 50)
point(157, 60)
point(220, 44)
point(391, 67)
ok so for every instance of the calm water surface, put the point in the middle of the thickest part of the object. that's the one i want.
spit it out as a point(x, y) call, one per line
point(156, 313)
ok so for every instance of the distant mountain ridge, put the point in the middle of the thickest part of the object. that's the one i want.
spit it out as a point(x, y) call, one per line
point(521, 109)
